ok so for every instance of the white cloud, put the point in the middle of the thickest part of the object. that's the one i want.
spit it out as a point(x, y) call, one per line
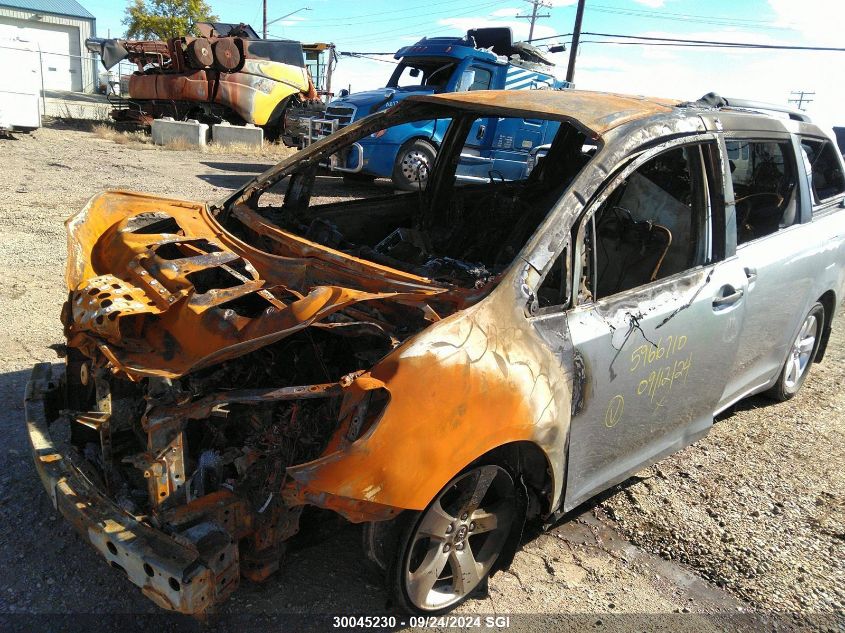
point(688, 73)
point(818, 21)
point(506, 13)
point(654, 4)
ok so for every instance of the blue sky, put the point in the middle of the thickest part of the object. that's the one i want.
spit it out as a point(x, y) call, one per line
point(383, 26)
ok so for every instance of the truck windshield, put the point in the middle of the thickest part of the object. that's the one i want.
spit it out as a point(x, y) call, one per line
point(431, 72)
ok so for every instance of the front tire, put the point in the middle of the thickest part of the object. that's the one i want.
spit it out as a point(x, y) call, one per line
point(413, 165)
point(447, 551)
point(802, 353)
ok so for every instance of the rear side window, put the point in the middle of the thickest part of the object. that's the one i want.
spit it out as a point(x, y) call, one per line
point(763, 175)
point(824, 169)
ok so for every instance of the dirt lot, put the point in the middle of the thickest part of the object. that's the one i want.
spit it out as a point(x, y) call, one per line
point(747, 521)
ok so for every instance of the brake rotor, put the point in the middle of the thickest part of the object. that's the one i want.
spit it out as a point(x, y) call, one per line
point(199, 53)
point(227, 57)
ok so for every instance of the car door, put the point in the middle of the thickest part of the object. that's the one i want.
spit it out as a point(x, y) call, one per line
point(777, 260)
point(658, 309)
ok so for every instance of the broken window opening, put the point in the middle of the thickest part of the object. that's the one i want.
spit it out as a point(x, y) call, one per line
point(554, 289)
point(824, 169)
point(463, 230)
point(764, 177)
point(654, 224)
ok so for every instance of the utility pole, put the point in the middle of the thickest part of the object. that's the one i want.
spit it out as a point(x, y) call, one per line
point(576, 36)
point(801, 98)
point(535, 4)
point(264, 30)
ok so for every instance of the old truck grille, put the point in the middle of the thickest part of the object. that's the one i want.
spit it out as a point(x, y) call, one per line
point(343, 114)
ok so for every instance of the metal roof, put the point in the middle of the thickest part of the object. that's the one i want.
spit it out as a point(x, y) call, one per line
point(57, 7)
point(596, 111)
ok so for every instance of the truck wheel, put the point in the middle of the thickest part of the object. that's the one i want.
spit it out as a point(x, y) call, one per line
point(801, 355)
point(413, 165)
point(448, 550)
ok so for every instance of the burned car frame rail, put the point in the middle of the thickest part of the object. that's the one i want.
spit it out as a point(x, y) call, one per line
point(229, 364)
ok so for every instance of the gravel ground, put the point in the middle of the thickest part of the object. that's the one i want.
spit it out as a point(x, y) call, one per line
point(758, 506)
point(748, 520)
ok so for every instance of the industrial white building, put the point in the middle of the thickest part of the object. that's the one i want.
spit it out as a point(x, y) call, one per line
point(57, 30)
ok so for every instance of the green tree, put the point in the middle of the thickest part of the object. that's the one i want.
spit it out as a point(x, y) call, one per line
point(163, 19)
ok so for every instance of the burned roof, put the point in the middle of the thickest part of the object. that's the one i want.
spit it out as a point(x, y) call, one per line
point(598, 112)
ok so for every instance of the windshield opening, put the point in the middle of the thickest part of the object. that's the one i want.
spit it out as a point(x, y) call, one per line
point(433, 72)
point(477, 207)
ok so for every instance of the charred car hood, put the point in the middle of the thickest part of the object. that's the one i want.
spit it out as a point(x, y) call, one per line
point(158, 288)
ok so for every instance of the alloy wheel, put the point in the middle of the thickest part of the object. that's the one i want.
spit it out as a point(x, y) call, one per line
point(802, 350)
point(458, 538)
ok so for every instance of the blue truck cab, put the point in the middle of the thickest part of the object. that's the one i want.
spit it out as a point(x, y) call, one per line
point(485, 59)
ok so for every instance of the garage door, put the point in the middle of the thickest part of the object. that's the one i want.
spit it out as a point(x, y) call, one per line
point(58, 44)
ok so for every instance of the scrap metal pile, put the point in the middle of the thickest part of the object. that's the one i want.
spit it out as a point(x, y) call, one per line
point(227, 74)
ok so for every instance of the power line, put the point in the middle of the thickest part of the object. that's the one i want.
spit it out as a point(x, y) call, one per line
point(372, 37)
point(649, 39)
point(356, 21)
point(369, 56)
point(687, 17)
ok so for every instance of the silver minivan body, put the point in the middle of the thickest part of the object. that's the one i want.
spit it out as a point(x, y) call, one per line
point(660, 360)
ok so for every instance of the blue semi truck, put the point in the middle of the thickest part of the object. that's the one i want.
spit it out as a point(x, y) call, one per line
point(485, 59)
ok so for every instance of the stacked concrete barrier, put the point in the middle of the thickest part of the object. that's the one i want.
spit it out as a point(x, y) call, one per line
point(227, 134)
point(192, 132)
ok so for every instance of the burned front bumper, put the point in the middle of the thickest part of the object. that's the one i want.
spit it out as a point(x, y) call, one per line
point(175, 573)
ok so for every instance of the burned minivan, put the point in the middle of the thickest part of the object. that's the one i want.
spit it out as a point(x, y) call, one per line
point(440, 365)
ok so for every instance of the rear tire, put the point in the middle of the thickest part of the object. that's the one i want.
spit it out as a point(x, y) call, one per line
point(801, 355)
point(413, 165)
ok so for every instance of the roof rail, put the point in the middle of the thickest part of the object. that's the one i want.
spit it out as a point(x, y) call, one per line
point(795, 115)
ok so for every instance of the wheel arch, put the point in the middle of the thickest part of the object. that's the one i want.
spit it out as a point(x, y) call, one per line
point(528, 461)
point(417, 137)
point(828, 301)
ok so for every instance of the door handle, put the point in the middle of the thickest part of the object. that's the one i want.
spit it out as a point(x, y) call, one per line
point(751, 273)
point(722, 301)
point(481, 130)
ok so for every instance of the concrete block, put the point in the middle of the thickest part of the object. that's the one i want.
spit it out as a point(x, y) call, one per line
point(166, 130)
point(227, 134)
